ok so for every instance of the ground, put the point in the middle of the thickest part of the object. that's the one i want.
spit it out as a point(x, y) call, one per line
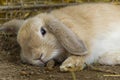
point(11, 68)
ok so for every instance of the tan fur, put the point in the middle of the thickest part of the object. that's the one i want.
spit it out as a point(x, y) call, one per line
point(86, 21)
point(12, 25)
point(33, 45)
point(68, 39)
point(82, 19)
point(82, 27)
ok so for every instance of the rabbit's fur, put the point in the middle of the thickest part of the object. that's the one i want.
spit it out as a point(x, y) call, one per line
point(34, 45)
point(89, 32)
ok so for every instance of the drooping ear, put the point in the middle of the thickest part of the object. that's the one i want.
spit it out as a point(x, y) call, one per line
point(66, 37)
point(12, 26)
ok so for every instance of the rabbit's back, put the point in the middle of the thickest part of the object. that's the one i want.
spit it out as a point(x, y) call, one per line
point(90, 20)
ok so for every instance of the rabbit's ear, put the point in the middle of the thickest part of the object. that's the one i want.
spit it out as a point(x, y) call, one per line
point(66, 37)
point(12, 26)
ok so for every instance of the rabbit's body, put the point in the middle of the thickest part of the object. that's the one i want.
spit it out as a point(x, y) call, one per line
point(98, 25)
point(93, 28)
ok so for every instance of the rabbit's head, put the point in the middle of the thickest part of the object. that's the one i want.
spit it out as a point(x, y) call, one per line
point(43, 37)
point(38, 44)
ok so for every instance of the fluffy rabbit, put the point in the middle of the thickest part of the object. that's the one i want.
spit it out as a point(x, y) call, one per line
point(81, 34)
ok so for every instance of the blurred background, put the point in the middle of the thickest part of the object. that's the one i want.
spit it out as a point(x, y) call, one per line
point(22, 9)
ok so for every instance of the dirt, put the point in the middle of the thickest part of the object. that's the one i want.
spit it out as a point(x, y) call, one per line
point(11, 67)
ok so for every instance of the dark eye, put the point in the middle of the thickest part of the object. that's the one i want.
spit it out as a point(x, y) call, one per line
point(43, 32)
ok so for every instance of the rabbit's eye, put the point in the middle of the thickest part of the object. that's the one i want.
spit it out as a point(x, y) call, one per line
point(43, 32)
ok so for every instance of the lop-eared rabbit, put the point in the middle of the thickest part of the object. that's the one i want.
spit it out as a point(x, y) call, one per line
point(75, 35)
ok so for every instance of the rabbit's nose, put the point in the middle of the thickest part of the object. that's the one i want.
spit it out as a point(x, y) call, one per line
point(40, 58)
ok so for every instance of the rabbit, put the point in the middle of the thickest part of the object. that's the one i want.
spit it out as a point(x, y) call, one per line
point(74, 35)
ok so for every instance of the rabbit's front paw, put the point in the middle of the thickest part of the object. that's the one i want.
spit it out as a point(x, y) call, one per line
point(73, 63)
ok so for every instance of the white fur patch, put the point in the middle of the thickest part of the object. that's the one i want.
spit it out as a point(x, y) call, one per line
point(105, 42)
